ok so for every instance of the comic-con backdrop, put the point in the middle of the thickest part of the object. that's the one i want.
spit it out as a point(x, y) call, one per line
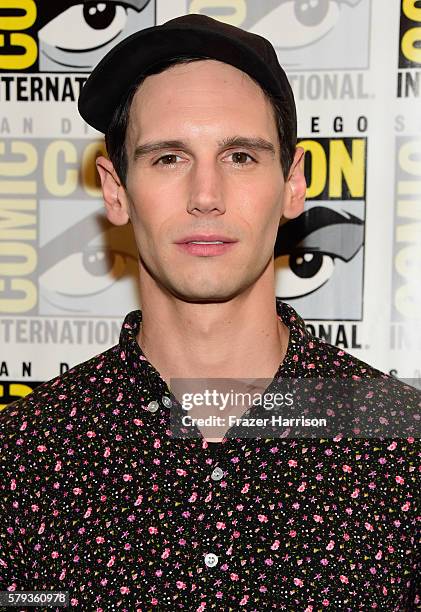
point(350, 265)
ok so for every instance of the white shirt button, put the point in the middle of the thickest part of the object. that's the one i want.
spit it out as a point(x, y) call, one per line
point(217, 474)
point(153, 406)
point(211, 560)
point(166, 401)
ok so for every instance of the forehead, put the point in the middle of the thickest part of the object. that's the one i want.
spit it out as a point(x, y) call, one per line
point(205, 92)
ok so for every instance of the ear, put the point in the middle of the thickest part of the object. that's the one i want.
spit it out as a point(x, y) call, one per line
point(115, 197)
point(295, 187)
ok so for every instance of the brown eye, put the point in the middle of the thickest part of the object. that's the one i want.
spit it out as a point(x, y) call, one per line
point(168, 160)
point(240, 157)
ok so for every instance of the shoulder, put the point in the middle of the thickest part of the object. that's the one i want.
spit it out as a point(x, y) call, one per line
point(52, 400)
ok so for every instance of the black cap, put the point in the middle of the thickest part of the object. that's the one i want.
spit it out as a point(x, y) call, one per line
point(196, 35)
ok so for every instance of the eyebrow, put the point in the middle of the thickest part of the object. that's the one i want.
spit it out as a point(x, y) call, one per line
point(257, 144)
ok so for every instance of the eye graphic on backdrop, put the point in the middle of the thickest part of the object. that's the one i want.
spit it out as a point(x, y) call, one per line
point(97, 24)
point(76, 35)
point(88, 267)
point(88, 272)
point(307, 249)
point(303, 21)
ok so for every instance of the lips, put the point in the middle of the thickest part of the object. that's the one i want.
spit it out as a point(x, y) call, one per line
point(205, 238)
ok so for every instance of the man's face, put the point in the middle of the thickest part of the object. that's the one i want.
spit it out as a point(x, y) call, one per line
point(187, 175)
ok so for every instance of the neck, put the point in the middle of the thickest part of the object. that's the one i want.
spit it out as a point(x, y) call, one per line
point(240, 338)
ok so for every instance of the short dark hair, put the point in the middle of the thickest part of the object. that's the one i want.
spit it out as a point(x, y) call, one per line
point(115, 136)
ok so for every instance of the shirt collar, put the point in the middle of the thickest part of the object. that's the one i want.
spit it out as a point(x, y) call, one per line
point(153, 385)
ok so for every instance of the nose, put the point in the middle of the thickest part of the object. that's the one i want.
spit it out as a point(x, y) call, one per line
point(206, 188)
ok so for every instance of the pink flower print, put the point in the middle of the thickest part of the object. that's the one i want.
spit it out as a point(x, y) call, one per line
point(405, 507)
point(127, 477)
point(319, 477)
point(124, 590)
point(245, 488)
point(55, 554)
point(295, 505)
point(155, 488)
point(318, 518)
point(88, 512)
point(107, 452)
point(110, 562)
point(292, 463)
point(152, 530)
point(292, 533)
point(244, 600)
point(100, 539)
point(302, 487)
point(379, 555)
point(236, 534)
point(324, 561)
point(343, 579)
point(57, 466)
point(346, 537)
point(193, 497)
point(157, 443)
point(119, 397)
point(181, 472)
point(138, 500)
point(77, 490)
point(233, 576)
point(269, 561)
point(13, 484)
point(262, 518)
point(355, 493)
point(165, 554)
point(392, 446)
point(368, 526)
point(23, 426)
point(91, 434)
point(399, 479)
point(275, 545)
point(298, 582)
point(328, 452)
point(138, 421)
point(347, 468)
point(41, 448)
point(263, 476)
point(330, 545)
point(220, 525)
point(325, 602)
point(41, 529)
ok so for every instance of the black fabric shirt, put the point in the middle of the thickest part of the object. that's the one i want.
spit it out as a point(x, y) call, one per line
point(99, 498)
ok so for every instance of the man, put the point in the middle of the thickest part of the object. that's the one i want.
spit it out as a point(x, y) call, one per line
point(105, 493)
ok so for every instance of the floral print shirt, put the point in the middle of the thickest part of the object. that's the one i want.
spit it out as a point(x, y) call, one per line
point(98, 498)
